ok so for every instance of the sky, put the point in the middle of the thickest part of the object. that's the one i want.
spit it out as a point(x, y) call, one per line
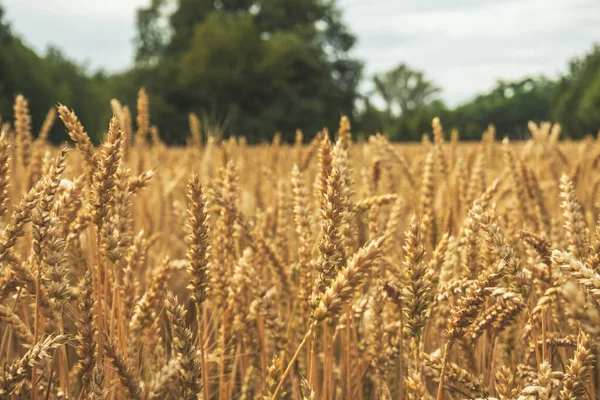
point(464, 46)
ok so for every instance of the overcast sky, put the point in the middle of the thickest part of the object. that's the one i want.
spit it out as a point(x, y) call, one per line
point(464, 46)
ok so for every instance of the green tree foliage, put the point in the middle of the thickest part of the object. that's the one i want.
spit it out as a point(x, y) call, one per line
point(404, 90)
point(509, 106)
point(265, 65)
point(151, 39)
point(576, 98)
point(370, 118)
point(46, 81)
point(410, 103)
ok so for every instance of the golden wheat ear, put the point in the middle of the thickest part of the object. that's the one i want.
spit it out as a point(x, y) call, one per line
point(185, 348)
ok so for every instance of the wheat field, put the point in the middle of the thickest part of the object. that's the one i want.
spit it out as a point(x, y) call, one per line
point(339, 269)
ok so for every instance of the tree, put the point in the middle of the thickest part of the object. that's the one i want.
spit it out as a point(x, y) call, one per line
point(410, 103)
point(404, 90)
point(5, 32)
point(575, 100)
point(270, 65)
point(588, 111)
point(152, 36)
point(46, 81)
point(509, 106)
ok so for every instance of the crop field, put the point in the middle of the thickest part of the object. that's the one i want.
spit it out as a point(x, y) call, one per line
point(338, 267)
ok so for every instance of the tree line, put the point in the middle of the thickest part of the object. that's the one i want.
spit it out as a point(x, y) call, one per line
point(255, 68)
